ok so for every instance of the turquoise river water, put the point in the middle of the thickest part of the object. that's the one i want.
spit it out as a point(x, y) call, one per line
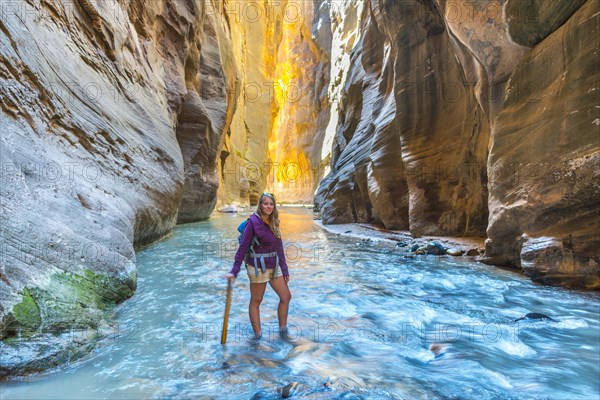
point(365, 322)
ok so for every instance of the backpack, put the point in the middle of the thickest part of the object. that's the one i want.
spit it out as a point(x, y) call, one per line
point(240, 229)
point(250, 251)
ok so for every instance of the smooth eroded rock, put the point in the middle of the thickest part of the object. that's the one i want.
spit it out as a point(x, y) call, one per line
point(92, 97)
point(544, 158)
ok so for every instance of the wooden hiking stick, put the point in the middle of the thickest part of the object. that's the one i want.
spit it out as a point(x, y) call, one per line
point(226, 316)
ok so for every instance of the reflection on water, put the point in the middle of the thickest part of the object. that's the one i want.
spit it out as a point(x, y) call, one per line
point(365, 322)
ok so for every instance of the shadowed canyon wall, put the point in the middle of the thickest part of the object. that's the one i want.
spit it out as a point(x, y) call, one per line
point(476, 118)
point(391, 144)
point(544, 158)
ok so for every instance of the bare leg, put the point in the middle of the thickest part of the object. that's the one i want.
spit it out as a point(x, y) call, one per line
point(257, 291)
point(283, 291)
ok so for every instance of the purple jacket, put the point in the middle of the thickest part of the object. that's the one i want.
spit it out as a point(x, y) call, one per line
point(269, 243)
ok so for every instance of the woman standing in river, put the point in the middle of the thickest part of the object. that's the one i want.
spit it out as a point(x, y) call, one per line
point(263, 261)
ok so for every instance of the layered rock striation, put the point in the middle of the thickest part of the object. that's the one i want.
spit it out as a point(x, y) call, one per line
point(113, 114)
point(411, 142)
point(544, 158)
point(476, 119)
point(282, 50)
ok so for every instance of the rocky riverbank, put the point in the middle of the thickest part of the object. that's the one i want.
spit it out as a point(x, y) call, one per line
point(434, 245)
point(472, 247)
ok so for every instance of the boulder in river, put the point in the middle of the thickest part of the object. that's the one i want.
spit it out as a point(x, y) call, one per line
point(228, 209)
point(454, 252)
point(472, 252)
point(535, 316)
point(289, 390)
point(435, 248)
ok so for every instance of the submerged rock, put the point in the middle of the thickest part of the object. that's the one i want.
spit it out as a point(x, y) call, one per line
point(289, 390)
point(421, 251)
point(438, 349)
point(535, 316)
point(26, 355)
point(261, 394)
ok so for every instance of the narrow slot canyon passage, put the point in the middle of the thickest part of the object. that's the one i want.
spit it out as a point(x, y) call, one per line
point(421, 173)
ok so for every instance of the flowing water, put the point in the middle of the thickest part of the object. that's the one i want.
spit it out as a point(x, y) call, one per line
point(365, 322)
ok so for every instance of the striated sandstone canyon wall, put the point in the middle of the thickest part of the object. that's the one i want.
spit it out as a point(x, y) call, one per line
point(544, 158)
point(476, 118)
point(244, 158)
point(411, 142)
point(276, 134)
point(303, 71)
point(113, 116)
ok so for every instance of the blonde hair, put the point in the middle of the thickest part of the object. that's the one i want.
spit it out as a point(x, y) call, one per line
point(274, 217)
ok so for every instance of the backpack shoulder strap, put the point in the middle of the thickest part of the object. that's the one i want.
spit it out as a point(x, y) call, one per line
point(255, 241)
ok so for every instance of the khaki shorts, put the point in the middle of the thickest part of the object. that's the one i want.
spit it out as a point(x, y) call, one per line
point(262, 277)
